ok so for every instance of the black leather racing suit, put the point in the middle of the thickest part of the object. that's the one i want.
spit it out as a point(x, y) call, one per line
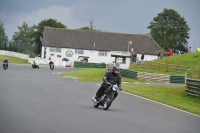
point(112, 78)
point(51, 62)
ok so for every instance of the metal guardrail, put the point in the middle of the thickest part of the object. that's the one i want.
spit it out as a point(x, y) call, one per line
point(163, 78)
point(193, 87)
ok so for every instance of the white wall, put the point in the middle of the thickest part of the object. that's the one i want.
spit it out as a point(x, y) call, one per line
point(148, 57)
point(14, 54)
point(93, 57)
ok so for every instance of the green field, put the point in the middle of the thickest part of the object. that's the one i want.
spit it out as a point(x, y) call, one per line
point(190, 60)
point(171, 95)
point(13, 59)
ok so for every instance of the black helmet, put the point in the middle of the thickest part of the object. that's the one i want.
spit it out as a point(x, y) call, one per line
point(115, 68)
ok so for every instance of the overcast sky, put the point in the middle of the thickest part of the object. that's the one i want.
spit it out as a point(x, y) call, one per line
point(124, 16)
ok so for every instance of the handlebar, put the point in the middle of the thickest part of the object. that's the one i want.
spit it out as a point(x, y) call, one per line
point(109, 83)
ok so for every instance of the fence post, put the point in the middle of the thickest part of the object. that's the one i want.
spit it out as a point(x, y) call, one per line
point(185, 78)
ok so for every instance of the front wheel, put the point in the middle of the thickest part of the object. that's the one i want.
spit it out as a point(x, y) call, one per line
point(108, 103)
point(96, 105)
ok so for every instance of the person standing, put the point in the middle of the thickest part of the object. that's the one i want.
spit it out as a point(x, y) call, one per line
point(142, 57)
point(170, 53)
point(135, 57)
point(159, 55)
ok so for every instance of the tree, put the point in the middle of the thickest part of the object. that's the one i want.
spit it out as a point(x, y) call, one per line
point(91, 21)
point(24, 39)
point(3, 37)
point(85, 28)
point(169, 30)
point(40, 29)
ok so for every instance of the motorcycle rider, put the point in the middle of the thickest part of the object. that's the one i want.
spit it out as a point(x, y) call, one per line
point(33, 63)
point(112, 77)
point(51, 62)
point(5, 61)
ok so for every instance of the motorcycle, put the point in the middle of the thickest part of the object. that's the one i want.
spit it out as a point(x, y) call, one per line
point(35, 66)
point(5, 65)
point(107, 98)
point(51, 67)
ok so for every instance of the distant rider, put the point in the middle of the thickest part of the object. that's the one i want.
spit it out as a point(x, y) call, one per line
point(33, 63)
point(112, 77)
point(51, 62)
point(5, 61)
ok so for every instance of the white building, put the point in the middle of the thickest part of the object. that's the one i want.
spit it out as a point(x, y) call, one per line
point(95, 46)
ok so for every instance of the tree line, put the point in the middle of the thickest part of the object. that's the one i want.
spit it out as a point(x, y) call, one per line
point(168, 28)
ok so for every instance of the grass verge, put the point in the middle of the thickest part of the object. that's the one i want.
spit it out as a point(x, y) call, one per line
point(13, 59)
point(173, 96)
point(93, 75)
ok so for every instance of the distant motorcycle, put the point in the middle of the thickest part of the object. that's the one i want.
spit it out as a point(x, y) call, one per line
point(51, 67)
point(35, 66)
point(5, 65)
point(107, 98)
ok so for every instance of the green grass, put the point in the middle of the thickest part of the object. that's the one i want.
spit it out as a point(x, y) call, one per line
point(93, 75)
point(13, 59)
point(173, 96)
point(190, 59)
point(170, 95)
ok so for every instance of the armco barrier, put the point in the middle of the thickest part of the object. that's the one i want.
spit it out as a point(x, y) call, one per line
point(128, 73)
point(177, 79)
point(193, 87)
point(89, 65)
point(164, 78)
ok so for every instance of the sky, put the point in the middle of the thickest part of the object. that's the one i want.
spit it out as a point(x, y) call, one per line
point(122, 16)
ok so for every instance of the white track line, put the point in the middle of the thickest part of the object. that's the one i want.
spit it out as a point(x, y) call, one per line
point(160, 103)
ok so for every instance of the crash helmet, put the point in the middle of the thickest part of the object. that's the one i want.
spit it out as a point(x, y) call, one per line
point(115, 68)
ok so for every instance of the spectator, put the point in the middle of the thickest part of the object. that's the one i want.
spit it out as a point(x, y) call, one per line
point(135, 57)
point(186, 48)
point(132, 57)
point(190, 48)
point(142, 57)
point(170, 53)
point(198, 49)
point(159, 55)
point(176, 51)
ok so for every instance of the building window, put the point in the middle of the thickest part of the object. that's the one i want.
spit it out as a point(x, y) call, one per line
point(79, 51)
point(102, 53)
point(55, 50)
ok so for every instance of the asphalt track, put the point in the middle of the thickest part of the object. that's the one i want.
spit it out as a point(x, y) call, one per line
point(36, 101)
